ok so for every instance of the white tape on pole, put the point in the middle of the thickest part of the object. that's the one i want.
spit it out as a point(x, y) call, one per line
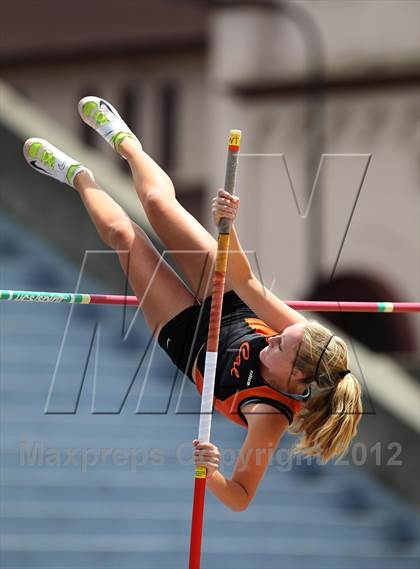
point(207, 397)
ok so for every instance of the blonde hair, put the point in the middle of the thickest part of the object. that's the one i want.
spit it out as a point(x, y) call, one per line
point(328, 420)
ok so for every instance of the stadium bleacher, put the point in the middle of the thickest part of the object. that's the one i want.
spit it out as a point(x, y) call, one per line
point(108, 489)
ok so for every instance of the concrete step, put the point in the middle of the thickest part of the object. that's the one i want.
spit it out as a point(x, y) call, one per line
point(171, 560)
point(174, 560)
point(222, 545)
point(119, 526)
point(179, 511)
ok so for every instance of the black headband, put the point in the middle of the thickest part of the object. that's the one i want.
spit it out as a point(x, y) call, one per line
point(320, 357)
point(341, 374)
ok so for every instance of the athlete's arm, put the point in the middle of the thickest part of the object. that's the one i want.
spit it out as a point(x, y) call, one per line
point(240, 277)
point(229, 492)
point(238, 267)
point(266, 426)
point(266, 305)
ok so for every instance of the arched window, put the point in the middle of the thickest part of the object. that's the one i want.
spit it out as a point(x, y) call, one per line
point(389, 333)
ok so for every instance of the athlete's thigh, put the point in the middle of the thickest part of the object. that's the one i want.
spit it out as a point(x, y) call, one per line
point(190, 244)
point(160, 291)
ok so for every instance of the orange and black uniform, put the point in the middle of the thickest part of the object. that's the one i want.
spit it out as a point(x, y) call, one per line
point(242, 337)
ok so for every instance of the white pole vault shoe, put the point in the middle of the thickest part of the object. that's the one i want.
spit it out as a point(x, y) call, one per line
point(49, 160)
point(104, 118)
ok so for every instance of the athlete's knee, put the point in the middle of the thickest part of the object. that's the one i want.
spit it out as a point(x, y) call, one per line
point(121, 235)
point(157, 199)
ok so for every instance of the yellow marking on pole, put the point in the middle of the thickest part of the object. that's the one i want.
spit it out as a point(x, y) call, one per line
point(200, 472)
point(235, 139)
point(222, 252)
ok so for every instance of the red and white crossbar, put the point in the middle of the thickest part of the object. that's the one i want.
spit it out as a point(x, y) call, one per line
point(302, 305)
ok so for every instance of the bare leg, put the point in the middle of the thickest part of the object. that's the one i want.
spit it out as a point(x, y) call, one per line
point(161, 293)
point(177, 228)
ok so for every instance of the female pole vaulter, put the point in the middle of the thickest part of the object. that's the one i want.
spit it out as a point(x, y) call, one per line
point(276, 370)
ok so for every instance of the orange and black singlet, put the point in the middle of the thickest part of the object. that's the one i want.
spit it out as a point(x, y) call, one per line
point(238, 379)
point(242, 337)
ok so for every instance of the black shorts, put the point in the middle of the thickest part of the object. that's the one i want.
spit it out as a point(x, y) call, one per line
point(183, 336)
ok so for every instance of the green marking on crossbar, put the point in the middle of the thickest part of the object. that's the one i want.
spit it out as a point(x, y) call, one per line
point(385, 307)
point(54, 297)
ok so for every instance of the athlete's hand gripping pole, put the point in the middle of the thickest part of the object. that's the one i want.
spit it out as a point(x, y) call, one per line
point(207, 395)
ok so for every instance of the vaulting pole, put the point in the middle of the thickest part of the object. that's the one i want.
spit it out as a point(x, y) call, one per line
point(206, 411)
point(302, 305)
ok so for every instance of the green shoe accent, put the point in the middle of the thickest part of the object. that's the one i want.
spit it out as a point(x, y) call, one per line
point(88, 108)
point(33, 150)
point(100, 118)
point(48, 158)
point(120, 136)
point(70, 173)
